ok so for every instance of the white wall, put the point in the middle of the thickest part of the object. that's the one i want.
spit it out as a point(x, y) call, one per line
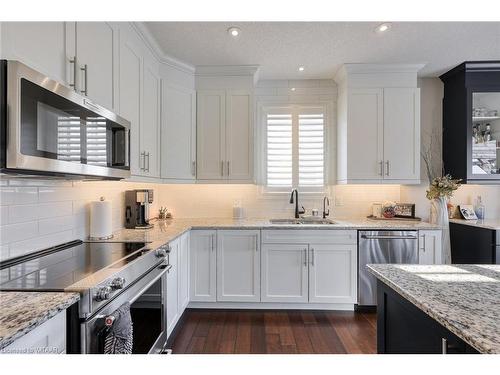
point(431, 125)
point(35, 214)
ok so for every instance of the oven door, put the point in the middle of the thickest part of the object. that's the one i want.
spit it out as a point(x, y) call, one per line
point(53, 130)
point(147, 299)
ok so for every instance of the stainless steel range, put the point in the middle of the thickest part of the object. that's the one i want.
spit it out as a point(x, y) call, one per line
point(106, 274)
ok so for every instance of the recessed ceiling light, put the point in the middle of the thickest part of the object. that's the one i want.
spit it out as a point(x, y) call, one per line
point(301, 68)
point(382, 28)
point(234, 31)
point(293, 89)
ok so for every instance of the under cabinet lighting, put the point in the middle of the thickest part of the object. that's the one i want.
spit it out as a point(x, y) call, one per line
point(234, 31)
point(383, 27)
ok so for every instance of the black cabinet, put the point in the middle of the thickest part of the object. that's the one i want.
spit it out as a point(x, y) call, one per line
point(402, 328)
point(471, 122)
point(472, 245)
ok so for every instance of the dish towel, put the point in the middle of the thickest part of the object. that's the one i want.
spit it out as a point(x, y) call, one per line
point(119, 337)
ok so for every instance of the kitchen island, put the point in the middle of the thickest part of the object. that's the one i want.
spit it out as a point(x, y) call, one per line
point(438, 308)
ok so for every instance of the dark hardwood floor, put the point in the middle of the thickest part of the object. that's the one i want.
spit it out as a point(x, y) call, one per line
point(276, 332)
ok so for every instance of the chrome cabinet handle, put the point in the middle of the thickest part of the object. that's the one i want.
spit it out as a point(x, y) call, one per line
point(142, 161)
point(147, 169)
point(221, 168)
point(381, 163)
point(387, 164)
point(193, 168)
point(213, 243)
point(305, 257)
point(73, 84)
point(227, 168)
point(85, 81)
point(444, 346)
point(422, 238)
point(312, 256)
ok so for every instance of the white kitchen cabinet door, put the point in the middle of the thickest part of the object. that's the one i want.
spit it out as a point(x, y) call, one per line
point(183, 274)
point(178, 133)
point(284, 270)
point(130, 76)
point(238, 265)
point(150, 126)
point(40, 45)
point(401, 134)
point(172, 286)
point(429, 247)
point(47, 338)
point(239, 135)
point(365, 134)
point(332, 273)
point(96, 54)
point(210, 138)
point(203, 264)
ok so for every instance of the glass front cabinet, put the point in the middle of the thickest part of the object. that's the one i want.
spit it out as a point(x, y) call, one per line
point(471, 122)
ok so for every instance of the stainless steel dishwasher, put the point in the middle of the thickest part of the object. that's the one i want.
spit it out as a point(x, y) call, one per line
point(399, 247)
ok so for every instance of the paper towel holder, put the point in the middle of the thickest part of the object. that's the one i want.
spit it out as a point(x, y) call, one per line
point(91, 238)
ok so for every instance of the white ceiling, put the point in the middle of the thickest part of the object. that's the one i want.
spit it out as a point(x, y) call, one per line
point(281, 47)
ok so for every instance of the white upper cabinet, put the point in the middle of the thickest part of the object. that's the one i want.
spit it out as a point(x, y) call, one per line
point(211, 142)
point(40, 45)
point(238, 265)
point(178, 133)
point(378, 127)
point(95, 47)
point(149, 133)
point(130, 80)
point(225, 135)
point(402, 133)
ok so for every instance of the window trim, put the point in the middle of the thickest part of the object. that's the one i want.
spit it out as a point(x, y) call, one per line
point(261, 135)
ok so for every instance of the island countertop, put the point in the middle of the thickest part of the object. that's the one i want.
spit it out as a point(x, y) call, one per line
point(465, 299)
point(21, 312)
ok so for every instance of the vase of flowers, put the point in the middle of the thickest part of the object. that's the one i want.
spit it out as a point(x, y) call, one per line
point(439, 192)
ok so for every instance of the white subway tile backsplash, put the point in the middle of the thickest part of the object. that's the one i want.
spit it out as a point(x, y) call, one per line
point(56, 224)
point(53, 209)
point(18, 195)
point(4, 215)
point(56, 194)
point(18, 232)
point(23, 213)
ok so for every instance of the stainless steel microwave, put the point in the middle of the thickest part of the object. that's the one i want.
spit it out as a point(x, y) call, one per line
point(50, 130)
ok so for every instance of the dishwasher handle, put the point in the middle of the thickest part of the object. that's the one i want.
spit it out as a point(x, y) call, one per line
point(389, 237)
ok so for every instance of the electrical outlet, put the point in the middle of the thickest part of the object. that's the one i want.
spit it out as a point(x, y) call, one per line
point(339, 201)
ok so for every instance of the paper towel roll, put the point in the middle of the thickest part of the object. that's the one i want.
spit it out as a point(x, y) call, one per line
point(100, 219)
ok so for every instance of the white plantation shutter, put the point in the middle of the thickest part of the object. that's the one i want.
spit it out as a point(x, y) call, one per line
point(279, 150)
point(96, 141)
point(295, 148)
point(68, 139)
point(311, 150)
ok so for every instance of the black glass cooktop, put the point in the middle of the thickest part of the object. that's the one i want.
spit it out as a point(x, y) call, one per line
point(59, 269)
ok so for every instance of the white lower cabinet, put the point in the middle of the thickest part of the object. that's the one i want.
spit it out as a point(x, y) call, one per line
point(332, 273)
point(48, 338)
point(238, 265)
point(183, 276)
point(202, 259)
point(429, 247)
point(284, 273)
point(172, 286)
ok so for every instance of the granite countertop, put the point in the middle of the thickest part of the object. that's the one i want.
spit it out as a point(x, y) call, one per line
point(21, 312)
point(493, 224)
point(463, 298)
point(167, 230)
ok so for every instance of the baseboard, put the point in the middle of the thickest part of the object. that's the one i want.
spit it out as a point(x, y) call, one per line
point(271, 306)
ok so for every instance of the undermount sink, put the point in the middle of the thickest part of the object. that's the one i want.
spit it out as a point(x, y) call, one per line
point(314, 221)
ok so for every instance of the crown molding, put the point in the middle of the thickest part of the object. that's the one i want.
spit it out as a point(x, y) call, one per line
point(156, 49)
point(359, 68)
point(226, 70)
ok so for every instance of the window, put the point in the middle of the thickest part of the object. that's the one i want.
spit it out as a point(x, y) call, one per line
point(295, 148)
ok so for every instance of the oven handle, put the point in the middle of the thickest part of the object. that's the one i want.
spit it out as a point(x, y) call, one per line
point(382, 237)
point(164, 269)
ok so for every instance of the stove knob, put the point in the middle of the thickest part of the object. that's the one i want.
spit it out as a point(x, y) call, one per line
point(118, 283)
point(161, 253)
point(103, 293)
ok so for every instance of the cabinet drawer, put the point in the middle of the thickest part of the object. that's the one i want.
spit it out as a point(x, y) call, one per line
point(331, 236)
point(48, 338)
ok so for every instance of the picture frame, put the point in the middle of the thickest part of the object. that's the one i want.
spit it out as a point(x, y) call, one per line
point(405, 210)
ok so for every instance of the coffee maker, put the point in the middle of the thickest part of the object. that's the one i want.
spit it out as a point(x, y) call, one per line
point(137, 208)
